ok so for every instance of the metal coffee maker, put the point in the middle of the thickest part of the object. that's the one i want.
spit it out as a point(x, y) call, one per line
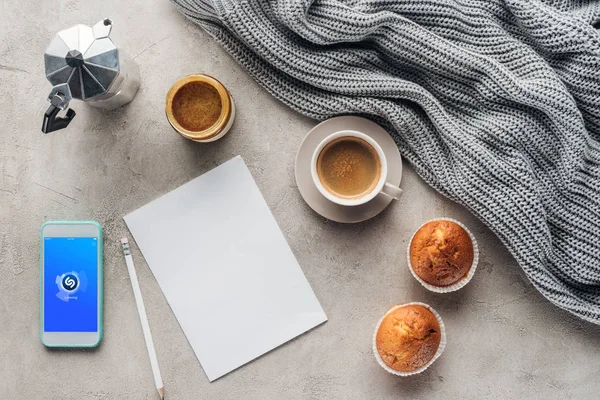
point(83, 63)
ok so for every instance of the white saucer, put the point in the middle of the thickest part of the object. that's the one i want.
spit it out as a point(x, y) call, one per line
point(310, 193)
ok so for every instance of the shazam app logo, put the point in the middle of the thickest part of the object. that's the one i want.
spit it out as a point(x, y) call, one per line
point(69, 284)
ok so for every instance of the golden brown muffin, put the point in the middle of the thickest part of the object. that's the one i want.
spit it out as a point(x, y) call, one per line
point(441, 253)
point(408, 338)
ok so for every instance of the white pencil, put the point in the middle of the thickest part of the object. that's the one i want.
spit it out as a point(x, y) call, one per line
point(143, 318)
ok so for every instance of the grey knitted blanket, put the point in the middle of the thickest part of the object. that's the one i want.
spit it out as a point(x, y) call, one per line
point(496, 104)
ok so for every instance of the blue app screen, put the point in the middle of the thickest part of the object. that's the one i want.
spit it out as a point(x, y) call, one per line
point(70, 284)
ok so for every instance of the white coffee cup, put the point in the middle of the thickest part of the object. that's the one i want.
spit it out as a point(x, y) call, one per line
point(382, 185)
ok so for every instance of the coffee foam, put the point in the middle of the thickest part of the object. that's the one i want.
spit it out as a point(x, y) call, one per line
point(349, 167)
point(197, 106)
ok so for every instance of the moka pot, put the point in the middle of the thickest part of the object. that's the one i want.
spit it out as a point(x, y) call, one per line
point(83, 63)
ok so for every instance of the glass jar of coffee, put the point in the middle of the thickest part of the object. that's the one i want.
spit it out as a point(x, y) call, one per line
point(200, 108)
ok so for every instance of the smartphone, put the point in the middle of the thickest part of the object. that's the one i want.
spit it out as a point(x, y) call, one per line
point(71, 289)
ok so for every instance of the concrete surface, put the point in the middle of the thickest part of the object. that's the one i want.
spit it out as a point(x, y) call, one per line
point(504, 340)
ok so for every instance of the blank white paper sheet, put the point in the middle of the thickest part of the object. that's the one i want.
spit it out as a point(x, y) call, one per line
point(225, 268)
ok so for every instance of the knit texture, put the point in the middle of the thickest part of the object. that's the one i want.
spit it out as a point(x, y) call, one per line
point(495, 103)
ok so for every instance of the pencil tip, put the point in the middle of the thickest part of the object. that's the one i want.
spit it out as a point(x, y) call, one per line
point(161, 392)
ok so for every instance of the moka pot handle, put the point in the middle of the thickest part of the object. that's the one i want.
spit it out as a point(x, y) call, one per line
point(59, 100)
point(54, 123)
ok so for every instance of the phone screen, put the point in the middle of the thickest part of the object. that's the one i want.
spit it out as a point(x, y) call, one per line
point(70, 284)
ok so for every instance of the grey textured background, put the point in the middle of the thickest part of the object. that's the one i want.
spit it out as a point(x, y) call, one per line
point(504, 339)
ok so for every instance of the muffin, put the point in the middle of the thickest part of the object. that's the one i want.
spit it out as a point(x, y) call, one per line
point(441, 253)
point(408, 338)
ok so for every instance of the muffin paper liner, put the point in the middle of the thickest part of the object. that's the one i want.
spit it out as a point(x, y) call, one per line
point(435, 356)
point(462, 282)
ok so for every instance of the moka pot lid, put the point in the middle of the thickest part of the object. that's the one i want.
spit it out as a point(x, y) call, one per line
point(84, 58)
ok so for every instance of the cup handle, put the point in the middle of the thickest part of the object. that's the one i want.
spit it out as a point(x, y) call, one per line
point(393, 191)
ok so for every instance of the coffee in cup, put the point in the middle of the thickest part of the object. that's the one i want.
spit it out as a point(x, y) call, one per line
point(350, 168)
